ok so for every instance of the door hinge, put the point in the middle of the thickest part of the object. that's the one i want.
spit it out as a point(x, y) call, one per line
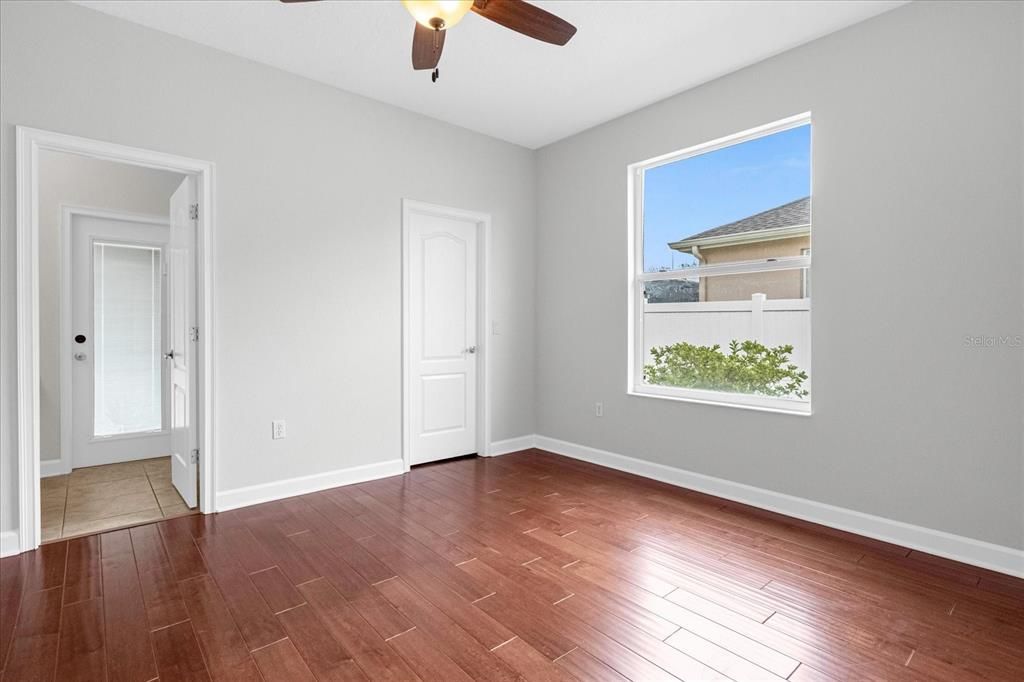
point(194, 456)
point(193, 334)
point(193, 211)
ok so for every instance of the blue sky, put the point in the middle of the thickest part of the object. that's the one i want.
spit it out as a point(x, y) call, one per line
point(701, 192)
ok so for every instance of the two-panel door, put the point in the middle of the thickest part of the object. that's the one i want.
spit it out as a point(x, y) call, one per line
point(442, 337)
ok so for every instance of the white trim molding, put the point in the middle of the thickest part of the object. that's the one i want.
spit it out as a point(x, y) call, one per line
point(636, 277)
point(53, 467)
point(301, 485)
point(9, 543)
point(29, 142)
point(505, 447)
point(966, 550)
point(483, 303)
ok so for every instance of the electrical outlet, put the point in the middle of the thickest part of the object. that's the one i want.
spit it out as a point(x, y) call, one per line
point(278, 429)
point(598, 409)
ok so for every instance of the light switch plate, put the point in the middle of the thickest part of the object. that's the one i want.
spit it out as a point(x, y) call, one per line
point(278, 429)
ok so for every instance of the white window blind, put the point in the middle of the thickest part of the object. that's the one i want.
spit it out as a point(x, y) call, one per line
point(127, 332)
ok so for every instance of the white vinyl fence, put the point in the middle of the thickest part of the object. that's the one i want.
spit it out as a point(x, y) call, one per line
point(771, 322)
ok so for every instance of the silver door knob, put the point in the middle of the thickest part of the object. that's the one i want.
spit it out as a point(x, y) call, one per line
point(471, 349)
point(169, 355)
point(80, 357)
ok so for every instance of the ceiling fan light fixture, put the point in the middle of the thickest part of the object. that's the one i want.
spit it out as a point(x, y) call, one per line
point(438, 14)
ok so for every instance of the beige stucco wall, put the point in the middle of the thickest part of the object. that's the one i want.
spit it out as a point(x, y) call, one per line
point(782, 284)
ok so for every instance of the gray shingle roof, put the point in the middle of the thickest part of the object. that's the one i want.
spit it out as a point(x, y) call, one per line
point(788, 215)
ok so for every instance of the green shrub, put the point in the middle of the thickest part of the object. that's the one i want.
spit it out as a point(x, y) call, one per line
point(748, 367)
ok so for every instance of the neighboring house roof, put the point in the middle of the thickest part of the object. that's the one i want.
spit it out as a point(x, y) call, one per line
point(789, 220)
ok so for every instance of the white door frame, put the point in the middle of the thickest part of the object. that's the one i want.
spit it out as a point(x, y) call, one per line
point(483, 399)
point(68, 212)
point(30, 141)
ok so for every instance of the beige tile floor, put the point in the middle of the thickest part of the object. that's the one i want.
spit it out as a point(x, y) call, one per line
point(99, 498)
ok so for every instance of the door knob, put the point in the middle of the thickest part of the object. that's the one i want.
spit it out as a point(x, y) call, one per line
point(169, 355)
point(471, 349)
point(79, 356)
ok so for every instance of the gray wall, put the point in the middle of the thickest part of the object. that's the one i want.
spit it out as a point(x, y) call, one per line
point(79, 181)
point(917, 153)
point(307, 250)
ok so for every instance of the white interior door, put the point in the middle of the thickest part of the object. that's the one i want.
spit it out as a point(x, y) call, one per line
point(442, 337)
point(118, 381)
point(180, 353)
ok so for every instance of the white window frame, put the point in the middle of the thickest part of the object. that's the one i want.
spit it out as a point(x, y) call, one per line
point(636, 304)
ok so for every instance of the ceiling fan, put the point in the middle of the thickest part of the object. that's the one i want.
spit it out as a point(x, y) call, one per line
point(435, 17)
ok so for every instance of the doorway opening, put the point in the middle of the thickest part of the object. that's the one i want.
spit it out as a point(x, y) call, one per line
point(114, 378)
point(445, 353)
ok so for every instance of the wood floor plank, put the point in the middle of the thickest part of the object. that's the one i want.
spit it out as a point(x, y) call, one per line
point(583, 666)
point(226, 655)
point(348, 627)
point(324, 655)
point(400, 562)
point(531, 566)
point(164, 605)
point(530, 663)
point(380, 614)
point(609, 600)
point(527, 624)
point(325, 561)
point(181, 548)
point(12, 587)
point(243, 546)
point(363, 562)
point(129, 653)
point(81, 654)
point(178, 656)
point(281, 662)
point(276, 590)
point(215, 524)
point(477, 661)
point(44, 568)
point(254, 618)
point(271, 536)
point(425, 658)
point(482, 627)
point(82, 579)
point(33, 653)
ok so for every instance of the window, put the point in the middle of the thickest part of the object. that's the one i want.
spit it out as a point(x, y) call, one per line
point(720, 285)
point(127, 327)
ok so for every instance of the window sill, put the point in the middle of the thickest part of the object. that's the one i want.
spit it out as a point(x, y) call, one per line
point(126, 436)
point(721, 399)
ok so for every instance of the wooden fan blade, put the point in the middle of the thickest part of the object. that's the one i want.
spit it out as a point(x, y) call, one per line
point(426, 47)
point(290, 1)
point(526, 19)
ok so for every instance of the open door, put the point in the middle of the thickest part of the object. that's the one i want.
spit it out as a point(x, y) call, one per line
point(182, 335)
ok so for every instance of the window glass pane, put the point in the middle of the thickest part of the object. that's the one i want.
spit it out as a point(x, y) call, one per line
point(748, 201)
point(747, 333)
point(127, 331)
point(775, 284)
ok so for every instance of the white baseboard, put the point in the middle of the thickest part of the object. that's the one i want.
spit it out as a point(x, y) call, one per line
point(504, 447)
point(266, 492)
point(9, 543)
point(957, 547)
point(51, 467)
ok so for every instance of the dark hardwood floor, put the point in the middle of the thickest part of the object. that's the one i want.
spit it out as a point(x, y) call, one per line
point(529, 566)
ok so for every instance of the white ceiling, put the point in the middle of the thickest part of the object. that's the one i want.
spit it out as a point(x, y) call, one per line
point(625, 55)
